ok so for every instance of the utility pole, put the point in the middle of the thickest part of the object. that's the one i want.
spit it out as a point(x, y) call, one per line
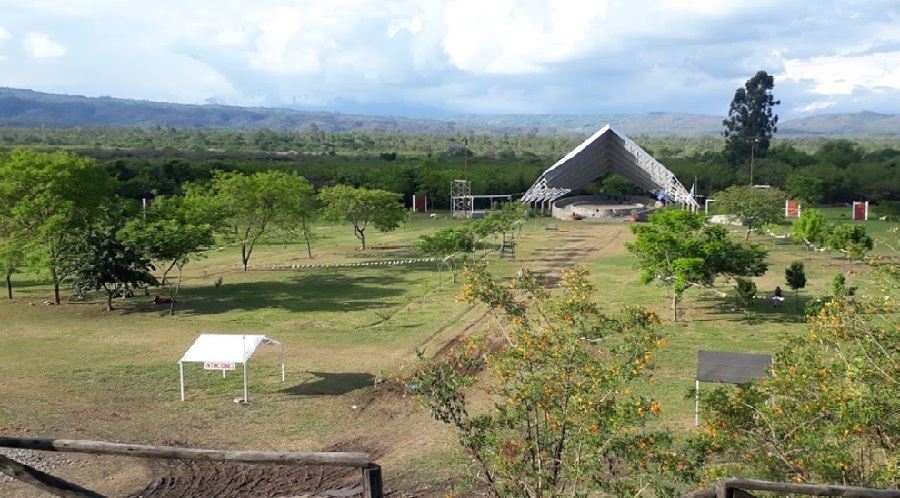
point(465, 142)
point(752, 154)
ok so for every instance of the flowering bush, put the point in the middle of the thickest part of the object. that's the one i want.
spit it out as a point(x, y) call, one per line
point(542, 402)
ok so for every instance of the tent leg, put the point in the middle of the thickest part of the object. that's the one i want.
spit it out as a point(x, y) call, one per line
point(181, 376)
point(696, 403)
point(246, 400)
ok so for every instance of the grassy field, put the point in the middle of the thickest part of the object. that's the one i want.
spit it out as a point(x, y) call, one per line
point(76, 371)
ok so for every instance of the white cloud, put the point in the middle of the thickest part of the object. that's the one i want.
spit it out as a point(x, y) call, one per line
point(842, 75)
point(510, 37)
point(463, 55)
point(40, 46)
point(4, 35)
point(236, 35)
point(412, 25)
point(815, 106)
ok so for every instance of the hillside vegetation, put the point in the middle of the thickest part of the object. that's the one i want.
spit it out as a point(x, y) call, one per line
point(28, 108)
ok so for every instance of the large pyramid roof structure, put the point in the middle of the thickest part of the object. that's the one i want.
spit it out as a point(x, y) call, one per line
point(608, 151)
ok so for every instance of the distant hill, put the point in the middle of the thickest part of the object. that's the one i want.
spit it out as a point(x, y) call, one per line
point(27, 108)
point(652, 124)
point(858, 124)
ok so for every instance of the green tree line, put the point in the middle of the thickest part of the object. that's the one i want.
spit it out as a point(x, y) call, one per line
point(60, 216)
point(157, 161)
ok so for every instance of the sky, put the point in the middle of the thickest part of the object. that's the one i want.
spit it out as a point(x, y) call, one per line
point(420, 57)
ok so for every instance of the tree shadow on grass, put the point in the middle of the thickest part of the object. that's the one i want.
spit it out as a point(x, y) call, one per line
point(306, 292)
point(331, 384)
point(726, 309)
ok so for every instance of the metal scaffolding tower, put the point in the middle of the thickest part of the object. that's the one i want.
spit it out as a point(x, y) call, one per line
point(461, 199)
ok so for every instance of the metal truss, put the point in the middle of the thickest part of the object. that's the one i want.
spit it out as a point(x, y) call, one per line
point(608, 151)
point(461, 199)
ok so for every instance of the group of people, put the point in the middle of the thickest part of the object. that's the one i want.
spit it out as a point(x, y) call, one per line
point(777, 298)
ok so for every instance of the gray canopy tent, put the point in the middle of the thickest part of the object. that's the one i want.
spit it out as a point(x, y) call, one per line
point(730, 368)
point(223, 352)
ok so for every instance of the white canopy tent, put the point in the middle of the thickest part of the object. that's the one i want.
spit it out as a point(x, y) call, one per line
point(223, 352)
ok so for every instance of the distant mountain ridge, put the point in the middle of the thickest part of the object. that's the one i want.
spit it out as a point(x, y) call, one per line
point(27, 108)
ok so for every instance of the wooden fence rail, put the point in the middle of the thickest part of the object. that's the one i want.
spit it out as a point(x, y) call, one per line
point(372, 482)
point(734, 487)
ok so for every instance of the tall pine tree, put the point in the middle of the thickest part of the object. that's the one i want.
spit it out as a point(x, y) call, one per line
point(751, 121)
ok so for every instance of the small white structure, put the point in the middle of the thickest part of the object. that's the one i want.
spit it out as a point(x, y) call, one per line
point(223, 352)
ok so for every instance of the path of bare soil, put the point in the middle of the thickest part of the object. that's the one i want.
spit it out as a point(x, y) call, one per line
point(197, 479)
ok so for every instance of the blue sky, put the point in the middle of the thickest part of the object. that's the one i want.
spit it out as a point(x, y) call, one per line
point(460, 56)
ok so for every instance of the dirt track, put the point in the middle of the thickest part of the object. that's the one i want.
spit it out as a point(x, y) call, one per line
point(209, 479)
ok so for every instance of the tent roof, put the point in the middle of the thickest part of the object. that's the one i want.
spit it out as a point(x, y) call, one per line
point(226, 348)
point(732, 368)
point(607, 151)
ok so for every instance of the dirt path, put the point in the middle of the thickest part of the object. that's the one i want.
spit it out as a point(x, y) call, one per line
point(547, 262)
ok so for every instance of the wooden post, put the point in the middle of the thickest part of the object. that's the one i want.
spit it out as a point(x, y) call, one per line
point(43, 481)
point(372, 481)
point(372, 485)
point(809, 489)
point(341, 459)
point(722, 490)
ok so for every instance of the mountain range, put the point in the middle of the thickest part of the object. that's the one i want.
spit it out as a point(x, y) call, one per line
point(28, 108)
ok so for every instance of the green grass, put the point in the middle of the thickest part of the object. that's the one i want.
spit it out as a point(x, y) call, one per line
point(76, 371)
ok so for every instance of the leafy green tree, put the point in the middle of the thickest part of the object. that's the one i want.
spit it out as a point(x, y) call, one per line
point(45, 199)
point(745, 293)
point(543, 404)
point(795, 278)
point(615, 184)
point(445, 244)
point(11, 259)
point(173, 235)
point(306, 212)
point(840, 152)
point(502, 221)
point(362, 207)
point(101, 260)
point(879, 182)
point(751, 120)
point(888, 210)
point(755, 207)
point(840, 289)
point(261, 203)
point(811, 228)
point(829, 413)
point(790, 154)
point(678, 249)
point(806, 190)
point(852, 240)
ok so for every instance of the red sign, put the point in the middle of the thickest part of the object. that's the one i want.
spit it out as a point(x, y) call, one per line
point(792, 209)
point(861, 210)
point(217, 365)
point(420, 204)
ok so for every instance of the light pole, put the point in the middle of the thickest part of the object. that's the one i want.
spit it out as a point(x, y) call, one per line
point(752, 153)
point(465, 142)
point(470, 201)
